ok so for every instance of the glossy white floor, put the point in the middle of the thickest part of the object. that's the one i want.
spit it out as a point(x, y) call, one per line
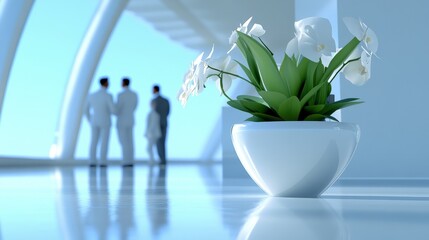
point(192, 202)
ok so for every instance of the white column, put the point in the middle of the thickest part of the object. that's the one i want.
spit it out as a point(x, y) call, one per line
point(13, 15)
point(81, 76)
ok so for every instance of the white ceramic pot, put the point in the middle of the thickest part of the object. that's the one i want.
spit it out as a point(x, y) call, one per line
point(295, 159)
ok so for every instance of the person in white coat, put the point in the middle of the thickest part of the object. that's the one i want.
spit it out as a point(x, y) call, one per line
point(99, 109)
point(125, 107)
point(153, 131)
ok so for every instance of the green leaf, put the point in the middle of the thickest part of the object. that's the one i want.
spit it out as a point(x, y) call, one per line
point(250, 75)
point(290, 108)
point(315, 117)
point(265, 64)
point(250, 60)
point(312, 92)
point(267, 117)
point(273, 99)
point(332, 118)
point(290, 75)
point(255, 106)
point(328, 91)
point(340, 58)
point(318, 73)
point(237, 105)
point(323, 94)
point(332, 107)
point(308, 78)
point(315, 72)
point(314, 108)
point(302, 68)
point(254, 119)
point(253, 98)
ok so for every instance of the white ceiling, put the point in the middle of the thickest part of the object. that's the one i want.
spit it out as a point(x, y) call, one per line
point(199, 24)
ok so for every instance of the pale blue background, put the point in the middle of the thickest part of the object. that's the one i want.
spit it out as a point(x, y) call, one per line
point(394, 118)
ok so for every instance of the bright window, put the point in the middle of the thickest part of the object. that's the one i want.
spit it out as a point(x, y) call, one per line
point(42, 66)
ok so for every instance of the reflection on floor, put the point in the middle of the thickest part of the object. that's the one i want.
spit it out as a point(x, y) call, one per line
point(192, 202)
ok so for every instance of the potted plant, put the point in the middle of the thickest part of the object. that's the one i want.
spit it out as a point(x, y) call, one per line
point(287, 137)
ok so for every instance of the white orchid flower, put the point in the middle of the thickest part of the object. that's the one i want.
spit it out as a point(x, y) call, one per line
point(257, 30)
point(183, 94)
point(226, 65)
point(188, 86)
point(362, 32)
point(292, 48)
point(314, 37)
point(326, 59)
point(195, 78)
point(358, 72)
point(242, 28)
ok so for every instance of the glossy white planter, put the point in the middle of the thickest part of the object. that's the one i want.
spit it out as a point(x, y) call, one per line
point(295, 159)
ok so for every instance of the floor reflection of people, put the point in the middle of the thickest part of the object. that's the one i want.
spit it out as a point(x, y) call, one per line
point(125, 205)
point(157, 199)
point(69, 205)
point(98, 215)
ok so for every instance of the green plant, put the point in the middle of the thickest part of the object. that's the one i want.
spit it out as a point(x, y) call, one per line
point(298, 89)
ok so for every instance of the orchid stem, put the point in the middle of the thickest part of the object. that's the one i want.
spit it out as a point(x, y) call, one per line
point(341, 68)
point(232, 74)
point(221, 87)
point(265, 46)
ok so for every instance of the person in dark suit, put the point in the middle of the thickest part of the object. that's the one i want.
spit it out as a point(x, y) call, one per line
point(162, 107)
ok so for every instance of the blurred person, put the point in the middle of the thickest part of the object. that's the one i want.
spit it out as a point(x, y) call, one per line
point(125, 107)
point(153, 131)
point(98, 111)
point(162, 107)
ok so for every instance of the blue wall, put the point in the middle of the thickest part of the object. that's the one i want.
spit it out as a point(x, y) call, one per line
point(394, 118)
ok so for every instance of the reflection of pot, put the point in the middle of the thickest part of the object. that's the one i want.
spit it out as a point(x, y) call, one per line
point(293, 218)
point(295, 159)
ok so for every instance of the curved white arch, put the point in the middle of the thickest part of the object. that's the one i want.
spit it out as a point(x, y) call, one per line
point(13, 16)
point(86, 61)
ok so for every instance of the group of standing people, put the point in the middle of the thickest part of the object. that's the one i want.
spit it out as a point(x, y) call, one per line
point(99, 109)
